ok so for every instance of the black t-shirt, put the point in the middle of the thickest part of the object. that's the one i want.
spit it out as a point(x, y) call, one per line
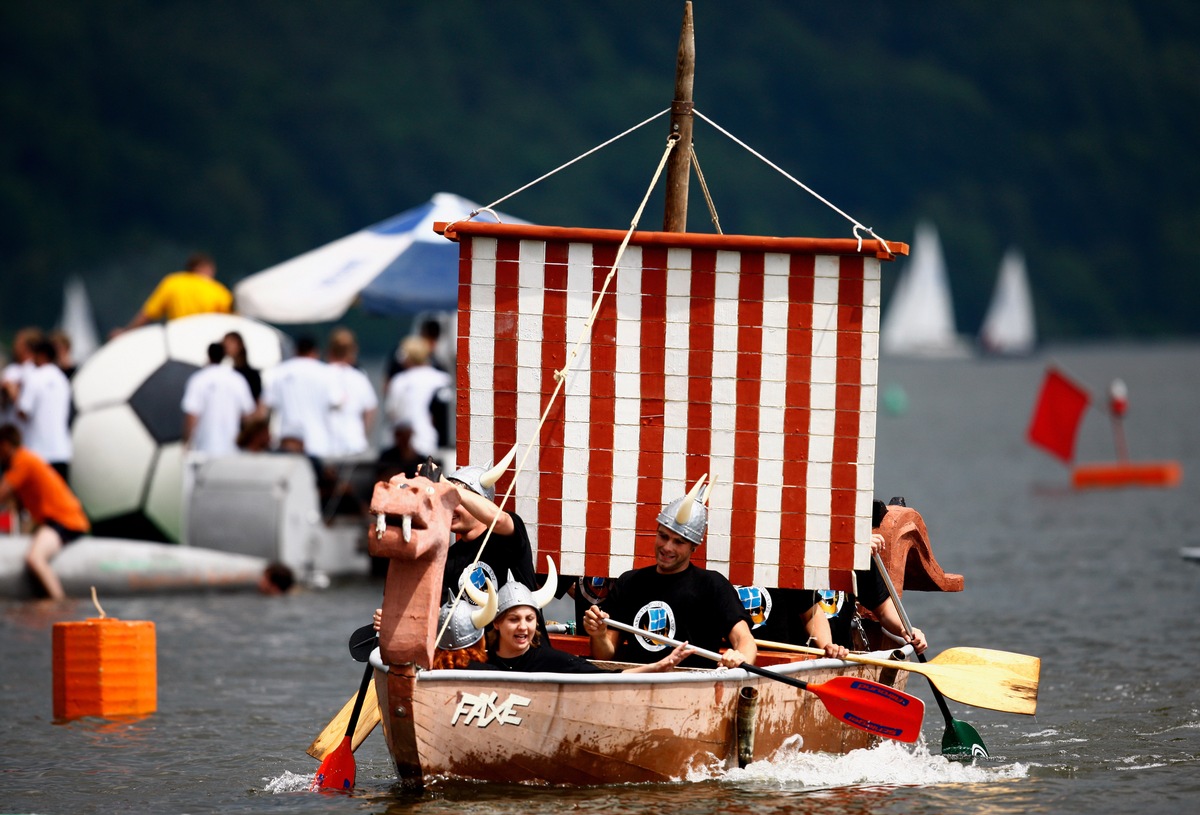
point(542, 660)
point(872, 591)
point(776, 614)
point(503, 553)
point(696, 605)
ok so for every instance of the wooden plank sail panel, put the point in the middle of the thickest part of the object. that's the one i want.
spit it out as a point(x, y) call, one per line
point(752, 359)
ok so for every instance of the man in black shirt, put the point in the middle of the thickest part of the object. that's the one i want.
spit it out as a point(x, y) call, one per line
point(507, 551)
point(674, 598)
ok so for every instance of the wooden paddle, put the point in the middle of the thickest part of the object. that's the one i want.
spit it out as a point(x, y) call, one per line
point(331, 736)
point(1020, 664)
point(870, 706)
point(979, 685)
point(960, 738)
point(362, 642)
point(337, 770)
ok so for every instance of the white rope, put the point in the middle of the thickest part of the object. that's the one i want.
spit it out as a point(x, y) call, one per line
point(858, 226)
point(562, 167)
point(560, 376)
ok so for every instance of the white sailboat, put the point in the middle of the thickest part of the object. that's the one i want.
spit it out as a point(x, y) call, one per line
point(919, 320)
point(1008, 327)
point(77, 320)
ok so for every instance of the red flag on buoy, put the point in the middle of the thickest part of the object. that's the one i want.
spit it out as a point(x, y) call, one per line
point(1057, 415)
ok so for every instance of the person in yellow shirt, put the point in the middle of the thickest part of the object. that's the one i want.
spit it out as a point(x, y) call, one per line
point(181, 294)
point(57, 515)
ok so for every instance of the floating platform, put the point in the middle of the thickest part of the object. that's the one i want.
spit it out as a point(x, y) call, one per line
point(117, 566)
point(1127, 474)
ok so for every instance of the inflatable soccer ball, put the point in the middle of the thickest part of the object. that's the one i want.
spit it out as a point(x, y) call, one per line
point(128, 431)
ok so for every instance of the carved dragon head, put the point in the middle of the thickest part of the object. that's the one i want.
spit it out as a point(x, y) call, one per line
point(411, 515)
point(412, 528)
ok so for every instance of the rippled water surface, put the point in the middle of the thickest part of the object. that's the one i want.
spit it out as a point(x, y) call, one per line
point(1092, 582)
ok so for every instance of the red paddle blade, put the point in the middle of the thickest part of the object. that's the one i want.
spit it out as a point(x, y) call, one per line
point(337, 770)
point(872, 707)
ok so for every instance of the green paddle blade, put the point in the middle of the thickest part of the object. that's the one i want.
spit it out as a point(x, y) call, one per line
point(962, 741)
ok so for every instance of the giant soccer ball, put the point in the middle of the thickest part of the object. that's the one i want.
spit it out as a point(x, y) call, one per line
point(127, 467)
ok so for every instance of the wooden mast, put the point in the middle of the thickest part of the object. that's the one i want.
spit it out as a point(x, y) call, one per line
point(679, 163)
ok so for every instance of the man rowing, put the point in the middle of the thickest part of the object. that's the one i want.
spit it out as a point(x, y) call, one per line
point(674, 597)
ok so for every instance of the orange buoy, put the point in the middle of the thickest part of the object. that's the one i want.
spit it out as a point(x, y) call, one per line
point(104, 667)
point(1127, 474)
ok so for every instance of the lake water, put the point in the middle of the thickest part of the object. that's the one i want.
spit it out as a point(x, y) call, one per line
point(1092, 582)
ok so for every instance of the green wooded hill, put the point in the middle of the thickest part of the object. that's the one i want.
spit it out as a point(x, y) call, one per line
point(132, 132)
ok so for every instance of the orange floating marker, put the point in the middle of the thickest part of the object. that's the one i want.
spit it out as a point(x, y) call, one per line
point(1127, 474)
point(104, 667)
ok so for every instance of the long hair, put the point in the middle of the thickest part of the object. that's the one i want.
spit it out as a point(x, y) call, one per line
point(444, 660)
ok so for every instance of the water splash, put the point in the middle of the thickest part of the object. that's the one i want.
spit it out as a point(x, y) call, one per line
point(887, 764)
point(288, 782)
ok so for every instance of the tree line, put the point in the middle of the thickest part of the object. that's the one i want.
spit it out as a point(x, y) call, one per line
point(137, 131)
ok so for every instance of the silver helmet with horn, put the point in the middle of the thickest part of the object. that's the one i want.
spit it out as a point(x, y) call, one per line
point(482, 480)
point(515, 593)
point(467, 621)
point(688, 516)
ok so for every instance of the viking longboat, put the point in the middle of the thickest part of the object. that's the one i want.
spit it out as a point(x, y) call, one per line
point(625, 365)
point(753, 358)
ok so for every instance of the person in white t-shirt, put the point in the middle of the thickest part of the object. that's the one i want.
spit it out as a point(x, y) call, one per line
point(44, 408)
point(216, 400)
point(14, 372)
point(302, 393)
point(352, 419)
point(410, 393)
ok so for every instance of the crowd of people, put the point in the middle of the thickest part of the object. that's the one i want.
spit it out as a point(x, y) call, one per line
point(323, 406)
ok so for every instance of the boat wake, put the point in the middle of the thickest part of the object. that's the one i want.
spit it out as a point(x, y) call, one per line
point(887, 764)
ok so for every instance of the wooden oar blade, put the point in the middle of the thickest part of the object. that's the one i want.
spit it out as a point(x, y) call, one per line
point(337, 771)
point(993, 689)
point(873, 707)
point(1020, 664)
point(329, 738)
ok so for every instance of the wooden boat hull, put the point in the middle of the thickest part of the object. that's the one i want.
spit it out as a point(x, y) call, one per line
point(563, 729)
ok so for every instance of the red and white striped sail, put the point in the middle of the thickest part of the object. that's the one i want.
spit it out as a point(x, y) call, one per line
point(752, 359)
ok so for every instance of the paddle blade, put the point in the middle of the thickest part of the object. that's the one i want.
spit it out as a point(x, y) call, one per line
point(337, 770)
point(873, 707)
point(962, 741)
point(1020, 664)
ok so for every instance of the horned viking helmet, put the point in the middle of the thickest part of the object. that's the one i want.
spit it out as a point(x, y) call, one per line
point(467, 621)
point(482, 480)
point(515, 593)
point(688, 516)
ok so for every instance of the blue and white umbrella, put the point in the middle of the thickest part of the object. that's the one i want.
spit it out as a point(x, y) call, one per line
point(397, 266)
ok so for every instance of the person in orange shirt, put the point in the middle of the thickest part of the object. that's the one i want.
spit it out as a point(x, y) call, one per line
point(58, 516)
point(181, 294)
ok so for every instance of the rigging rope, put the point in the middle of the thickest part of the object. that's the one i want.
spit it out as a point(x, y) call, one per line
point(560, 376)
point(857, 225)
point(580, 157)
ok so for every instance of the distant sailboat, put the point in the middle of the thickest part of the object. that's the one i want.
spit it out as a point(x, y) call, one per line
point(1008, 327)
point(76, 320)
point(919, 320)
